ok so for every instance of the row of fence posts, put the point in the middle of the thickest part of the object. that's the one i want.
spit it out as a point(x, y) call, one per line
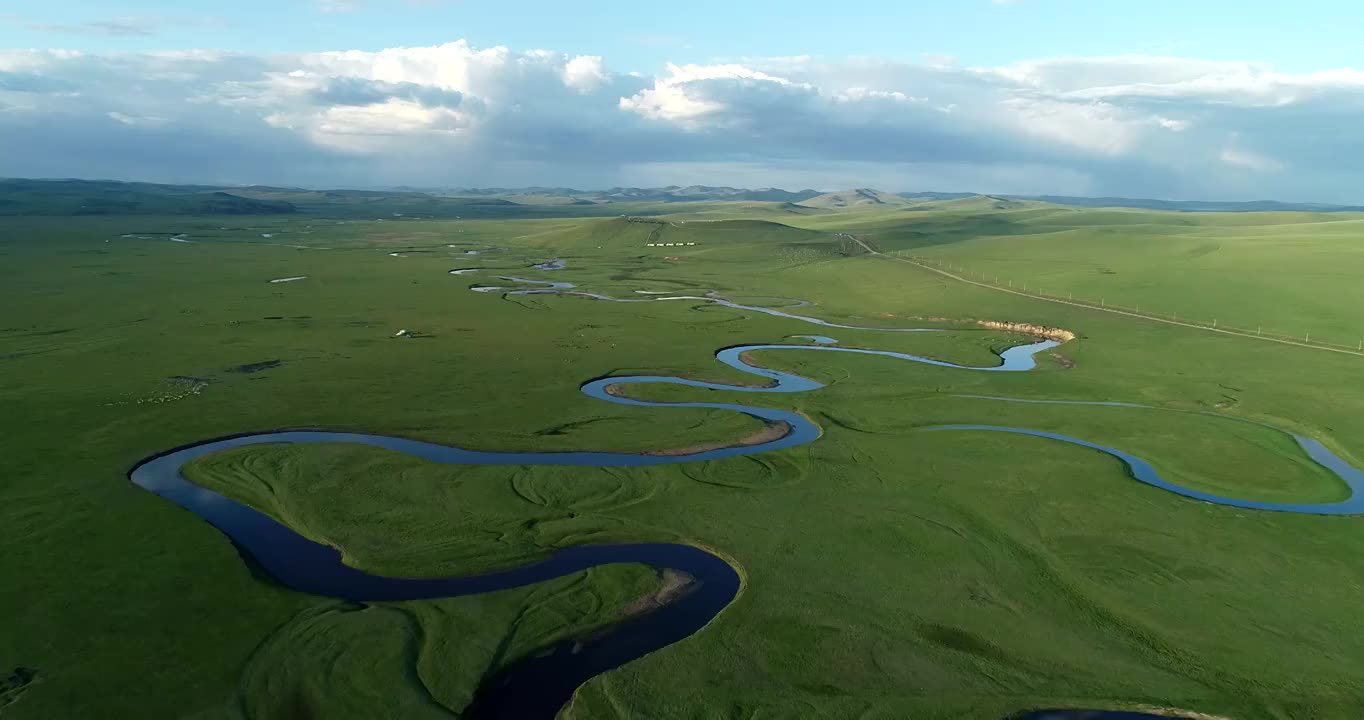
point(1103, 304)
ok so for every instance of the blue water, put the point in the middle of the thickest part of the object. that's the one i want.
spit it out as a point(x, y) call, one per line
point(1141, 470)
point(539, 686)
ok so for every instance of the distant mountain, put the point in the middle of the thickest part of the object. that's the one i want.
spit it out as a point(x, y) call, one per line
point(474, 192)
point(857, 198)
point(669, 194)
point(1191, 205)
point(935, 195)
point(1148, 204)
point(102, 197)
point(107, 197)
point(961, 202)
point(705, 192)
point(221, 203)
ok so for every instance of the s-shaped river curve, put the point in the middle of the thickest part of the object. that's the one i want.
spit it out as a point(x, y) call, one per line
point(538, 687)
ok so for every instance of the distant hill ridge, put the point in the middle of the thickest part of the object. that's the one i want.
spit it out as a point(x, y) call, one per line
point(87, 197)
point(864, 197)
point(857, 197)
point(106, 197)
point(671, 193)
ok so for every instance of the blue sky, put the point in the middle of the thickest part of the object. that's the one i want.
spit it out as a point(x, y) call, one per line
point(1189, 99)
point(643, 35)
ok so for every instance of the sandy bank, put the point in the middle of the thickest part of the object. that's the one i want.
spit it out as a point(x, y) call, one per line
point(1045, 331)
point(770, 432)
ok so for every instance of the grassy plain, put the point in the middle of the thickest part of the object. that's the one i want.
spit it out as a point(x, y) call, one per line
point(891, 572)
point(1291, 273)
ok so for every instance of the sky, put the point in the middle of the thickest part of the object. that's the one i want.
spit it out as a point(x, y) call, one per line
point(1206, 99)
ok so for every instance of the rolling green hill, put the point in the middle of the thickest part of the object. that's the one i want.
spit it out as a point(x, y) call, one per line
point(1292, 273)
point(859, 198)
point(976, 203)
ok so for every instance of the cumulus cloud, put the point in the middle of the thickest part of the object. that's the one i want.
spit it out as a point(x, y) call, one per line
point(585, 72)
point(455, 114)
point(359, 91)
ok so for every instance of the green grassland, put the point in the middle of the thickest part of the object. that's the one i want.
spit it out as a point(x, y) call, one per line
point(889, 572)
point(1293, 273)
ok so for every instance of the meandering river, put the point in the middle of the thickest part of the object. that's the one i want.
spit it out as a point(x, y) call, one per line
point(539, 686)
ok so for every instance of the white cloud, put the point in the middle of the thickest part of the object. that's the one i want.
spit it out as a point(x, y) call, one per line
point(457, 114)
point(688, 92)
point(371, 128)
point(1097, 127)
point(585, 73)
point(858, 94)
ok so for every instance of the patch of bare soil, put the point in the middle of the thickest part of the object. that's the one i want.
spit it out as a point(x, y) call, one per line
point(1177, 713)
point(1063, 361)
point(673, 584)
point(1045, 331)
point(770, 432)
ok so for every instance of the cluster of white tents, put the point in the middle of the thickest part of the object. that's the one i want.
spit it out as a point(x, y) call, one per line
point(667, 244)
